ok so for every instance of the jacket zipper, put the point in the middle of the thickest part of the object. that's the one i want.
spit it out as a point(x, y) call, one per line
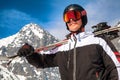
point(74, 59)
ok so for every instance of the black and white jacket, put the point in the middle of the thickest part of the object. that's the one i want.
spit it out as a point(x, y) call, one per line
point(84, 57)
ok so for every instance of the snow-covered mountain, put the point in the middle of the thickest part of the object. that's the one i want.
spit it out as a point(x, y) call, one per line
point(20, 69)
point(30, 33)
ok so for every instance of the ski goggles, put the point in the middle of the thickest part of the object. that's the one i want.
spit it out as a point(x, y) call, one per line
point(75, 15)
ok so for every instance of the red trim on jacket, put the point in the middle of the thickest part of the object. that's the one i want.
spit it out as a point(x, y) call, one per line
point(117, 55)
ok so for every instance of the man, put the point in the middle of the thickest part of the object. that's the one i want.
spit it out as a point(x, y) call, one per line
point(84, 57)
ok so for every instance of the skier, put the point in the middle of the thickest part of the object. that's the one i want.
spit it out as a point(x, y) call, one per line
point(84, 57)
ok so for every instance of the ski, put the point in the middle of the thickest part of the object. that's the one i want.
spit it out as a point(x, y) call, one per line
point(51, 46)
point(54, 45)
point(57, 44)
point(107, 30)
point(44, 48)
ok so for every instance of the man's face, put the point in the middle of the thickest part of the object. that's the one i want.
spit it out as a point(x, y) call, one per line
point(73, 20)
point(74, 25)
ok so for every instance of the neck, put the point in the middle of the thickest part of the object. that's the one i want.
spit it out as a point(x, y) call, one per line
point(78, 31)
point(75, 32)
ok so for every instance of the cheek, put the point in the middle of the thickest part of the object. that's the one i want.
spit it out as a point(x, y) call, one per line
point(74, 27)
point(79, 23)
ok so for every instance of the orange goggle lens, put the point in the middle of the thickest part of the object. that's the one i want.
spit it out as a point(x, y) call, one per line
point(75, 15)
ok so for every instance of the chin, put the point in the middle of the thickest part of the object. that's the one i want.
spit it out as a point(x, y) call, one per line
point(74, 30)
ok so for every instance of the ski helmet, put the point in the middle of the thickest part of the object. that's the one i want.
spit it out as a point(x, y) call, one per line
point(76, 7)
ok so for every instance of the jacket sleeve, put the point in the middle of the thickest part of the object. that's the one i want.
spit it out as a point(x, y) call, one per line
point(111, 45)
point(42, 60)
point(109, 67)
point(110, 60)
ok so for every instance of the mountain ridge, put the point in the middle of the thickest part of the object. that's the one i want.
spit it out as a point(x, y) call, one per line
point(35, 36)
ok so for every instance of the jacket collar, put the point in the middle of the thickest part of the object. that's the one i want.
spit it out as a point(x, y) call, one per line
point(80, 36)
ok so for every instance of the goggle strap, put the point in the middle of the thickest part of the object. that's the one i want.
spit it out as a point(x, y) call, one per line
point(83, 13)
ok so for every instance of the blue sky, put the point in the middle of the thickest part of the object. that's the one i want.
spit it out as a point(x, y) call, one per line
point(14, 14)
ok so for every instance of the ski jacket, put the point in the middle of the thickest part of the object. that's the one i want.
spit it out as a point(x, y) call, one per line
point(84, 57)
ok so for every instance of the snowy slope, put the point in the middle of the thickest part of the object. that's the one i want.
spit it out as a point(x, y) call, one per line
point(7, 75)
point(19, 68)
point(6, 41)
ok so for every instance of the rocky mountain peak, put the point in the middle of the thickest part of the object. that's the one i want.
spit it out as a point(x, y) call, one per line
point(34, 35)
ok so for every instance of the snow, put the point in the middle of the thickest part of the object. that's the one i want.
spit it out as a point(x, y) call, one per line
point(38, 34)
point(17, 59)
point(37, 72)
point(37, 31)
point(7, 75)
point(6, 41)
point(21, 77)
point(31, 32)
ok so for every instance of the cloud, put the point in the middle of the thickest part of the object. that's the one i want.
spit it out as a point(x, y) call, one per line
point(98, 11)
point(12, 17)
point(11, 21)
point(51, 18)
point(57, 29)
point(103, 11)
